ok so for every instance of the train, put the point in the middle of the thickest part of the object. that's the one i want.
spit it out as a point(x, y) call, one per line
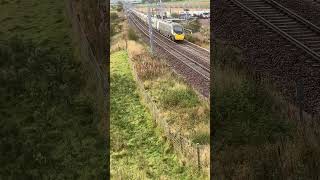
point(172, 30)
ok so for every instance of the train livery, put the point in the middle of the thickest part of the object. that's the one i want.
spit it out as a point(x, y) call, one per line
point(172, 30)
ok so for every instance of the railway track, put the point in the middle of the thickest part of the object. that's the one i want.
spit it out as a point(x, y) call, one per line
point(300, 32)
point(191, 50)
point(201, 52)
point(200, 64)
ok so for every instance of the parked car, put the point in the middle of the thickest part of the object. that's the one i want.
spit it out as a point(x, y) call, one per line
point(205, 15)
point(185, 16)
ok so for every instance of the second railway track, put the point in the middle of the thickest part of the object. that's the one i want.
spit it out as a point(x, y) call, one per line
point(286, 23)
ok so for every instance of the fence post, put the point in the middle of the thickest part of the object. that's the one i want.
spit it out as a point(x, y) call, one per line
point(181, 142)
point(198, 153)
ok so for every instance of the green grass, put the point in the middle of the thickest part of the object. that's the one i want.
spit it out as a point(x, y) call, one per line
point(48, 128)
point(43, 22)
point(137, 152)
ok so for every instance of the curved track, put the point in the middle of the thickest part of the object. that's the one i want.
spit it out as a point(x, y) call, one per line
point(289, 25)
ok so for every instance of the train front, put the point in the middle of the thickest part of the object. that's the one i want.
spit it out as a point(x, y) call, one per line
point(178, 32)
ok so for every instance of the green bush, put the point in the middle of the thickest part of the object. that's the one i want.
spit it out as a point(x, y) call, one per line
point(179, 98)
point(194, 26)
point(120, 6)
point(191, 38)
point(132, 35)
point(175, 15)
point(113, 16)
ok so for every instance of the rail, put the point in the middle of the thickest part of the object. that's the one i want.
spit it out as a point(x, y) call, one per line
point(315, 55)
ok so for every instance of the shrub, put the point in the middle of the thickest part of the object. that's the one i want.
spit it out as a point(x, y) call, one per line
point(175, 15)
point(179, 97)
point(120, 6)
point(113, 16)
point(192, 39)
point(132, 35)
point(194, 26)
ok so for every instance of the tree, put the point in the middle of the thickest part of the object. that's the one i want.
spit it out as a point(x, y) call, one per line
point(120, 6)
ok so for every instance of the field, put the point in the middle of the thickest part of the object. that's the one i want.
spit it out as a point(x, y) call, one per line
point(44, 111)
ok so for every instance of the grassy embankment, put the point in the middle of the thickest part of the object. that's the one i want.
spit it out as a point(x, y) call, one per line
point(167, 90)
point(137, 152)
point(254, 137)
point(48, 125)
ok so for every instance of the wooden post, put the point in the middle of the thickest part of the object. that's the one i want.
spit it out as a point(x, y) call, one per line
point(198, 153)
point(181, 142)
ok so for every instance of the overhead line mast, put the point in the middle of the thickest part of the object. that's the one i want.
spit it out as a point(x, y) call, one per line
point(150, 27)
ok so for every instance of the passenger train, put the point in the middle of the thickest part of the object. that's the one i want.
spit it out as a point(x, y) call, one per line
point(172, 30)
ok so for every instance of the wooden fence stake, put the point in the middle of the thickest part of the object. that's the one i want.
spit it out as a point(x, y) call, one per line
point(181, 143)
point(198, 153)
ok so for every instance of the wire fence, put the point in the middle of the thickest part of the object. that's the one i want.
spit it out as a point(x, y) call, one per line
point(195, 154)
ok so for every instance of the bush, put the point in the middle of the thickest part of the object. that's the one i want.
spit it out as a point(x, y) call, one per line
point(175, 15)
point(192, 38)
point(183, 98)
point(132, 35)
point(120, 6)
point(113, 16)
point(194, 26)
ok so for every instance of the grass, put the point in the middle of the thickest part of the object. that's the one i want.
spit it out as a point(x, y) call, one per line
point(48, 126)
point(254, 136)
point(137, 152)
point(42, 22)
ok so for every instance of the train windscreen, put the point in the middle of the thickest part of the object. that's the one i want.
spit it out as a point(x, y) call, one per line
point(178, 29)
